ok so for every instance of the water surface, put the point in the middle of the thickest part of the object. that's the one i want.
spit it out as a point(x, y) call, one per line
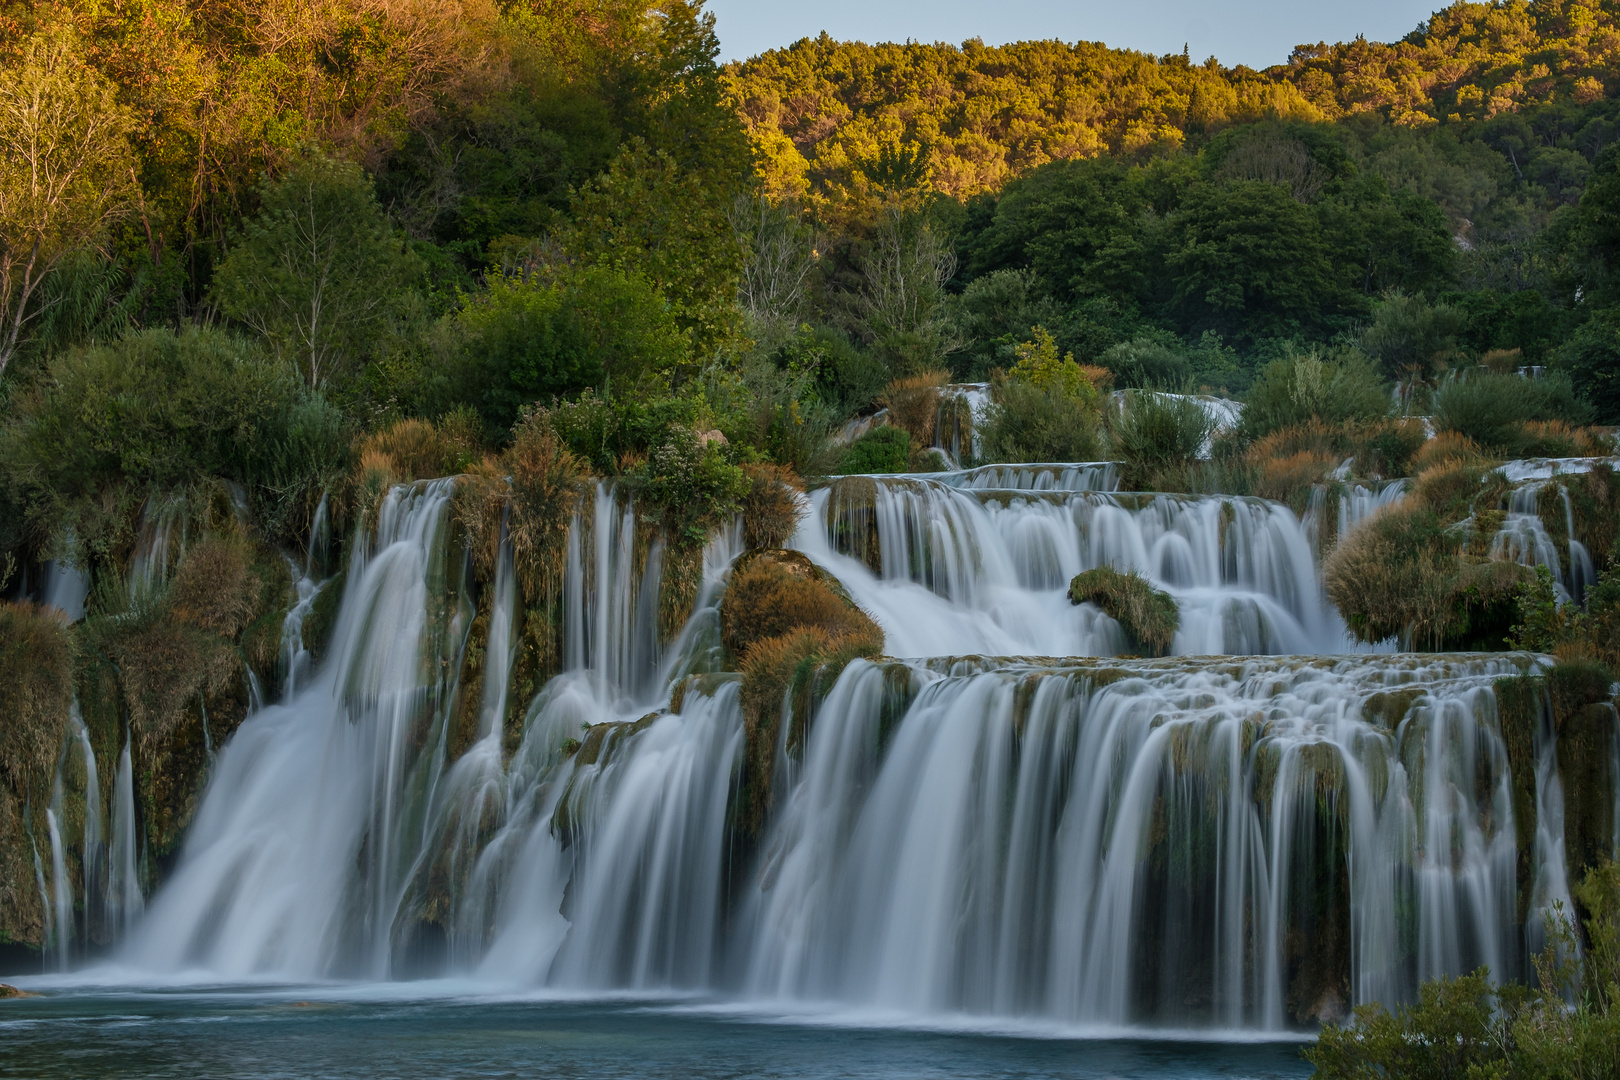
point(395, 1031)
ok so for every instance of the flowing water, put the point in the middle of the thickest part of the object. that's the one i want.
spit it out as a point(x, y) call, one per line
point(1001, 831)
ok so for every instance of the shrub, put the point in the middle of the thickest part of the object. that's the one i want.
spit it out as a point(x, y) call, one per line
point(1393, 575)
point(884, 449)
point(1301, 387)
point(1148, 616)
point(589, 327)
point(36, 691)
point(1149, 363)
point(1025, 422)
point(1387, 448)
point(1447, 448)
point(913, 404)
point(1493, 410)
point(1153, 432)
point(155, 412)
point(770, 508)
point(688, 487)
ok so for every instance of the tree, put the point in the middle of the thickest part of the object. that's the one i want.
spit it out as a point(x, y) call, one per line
point(1411, 339)
point(318, 270)
point(648, 216)
point(590, 327)
point(65, 170)
point(1249, 261)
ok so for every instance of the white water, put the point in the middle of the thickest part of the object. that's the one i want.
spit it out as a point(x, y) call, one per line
point(998, 855)
point(985, 571)
point(1097, 842)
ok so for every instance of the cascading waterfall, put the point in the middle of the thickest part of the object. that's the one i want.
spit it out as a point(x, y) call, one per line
point(951, 571)
point(1105, 843)
point(1244, 841)
point(125, 901)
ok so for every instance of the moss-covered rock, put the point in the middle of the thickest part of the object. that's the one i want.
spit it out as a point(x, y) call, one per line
point(773, 592)
point(792, 628)
point(1148, 616)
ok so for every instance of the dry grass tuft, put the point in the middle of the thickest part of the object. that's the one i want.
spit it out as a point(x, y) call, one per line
point(1445, 448)
point(36, 692)
point(774, 592)
point(913, 404)
point(770, 508)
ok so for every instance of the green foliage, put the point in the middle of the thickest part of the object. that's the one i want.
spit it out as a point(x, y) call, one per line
point(1591, 358)
point(1150, 362)
point(884, 449)
point(649, 218)
point(1492, 409)
point(1153, 432)
point(993, 314)
point(589, 327)
point(1541, 624)
point(1249, 261)
point(1307, 386)
point(318, 270)
point(106, 426)
point(1028, 422)
point(1410, 339)
point(1471, 1026)
point(689, 488)
point(1148, 616)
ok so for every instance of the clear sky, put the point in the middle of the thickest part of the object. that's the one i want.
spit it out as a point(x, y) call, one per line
point(1254, 32)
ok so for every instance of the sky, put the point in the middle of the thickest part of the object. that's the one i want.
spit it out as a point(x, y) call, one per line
point(1258, 33)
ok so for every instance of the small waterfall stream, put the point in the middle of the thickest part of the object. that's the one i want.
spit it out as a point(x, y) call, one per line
point(1257, 832)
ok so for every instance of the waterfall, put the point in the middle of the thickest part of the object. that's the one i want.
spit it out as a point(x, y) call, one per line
point(124, 900)
point(1013, 821)
point(93, 849)
point(1107, 844)
point(61, 886)
point(949, 571)
point(299, 854)
point(1524, 539)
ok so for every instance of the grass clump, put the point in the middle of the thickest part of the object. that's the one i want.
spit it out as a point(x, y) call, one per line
point(770, 507)
point(36, 691)
point(913, 403)
point(884, 449)
point(1153, 434)
point(1148, 616)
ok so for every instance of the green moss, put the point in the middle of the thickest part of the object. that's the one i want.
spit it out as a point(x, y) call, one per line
point(1148, 616)
point(1518, 710)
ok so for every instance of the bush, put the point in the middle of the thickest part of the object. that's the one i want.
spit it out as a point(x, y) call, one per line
point(1393, 575)
point(774, 592)
point(1301, 387)
point(1472, 1026)
point(1154, 432)
point(689, 488)
point(1591, 359)
point(1149, 363)
point(1148, 616)
point(1493, 410)
point(158, 411)
point(884, 449)
point(593, 327)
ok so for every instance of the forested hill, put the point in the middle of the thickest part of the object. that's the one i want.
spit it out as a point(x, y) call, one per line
point(818, 108)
